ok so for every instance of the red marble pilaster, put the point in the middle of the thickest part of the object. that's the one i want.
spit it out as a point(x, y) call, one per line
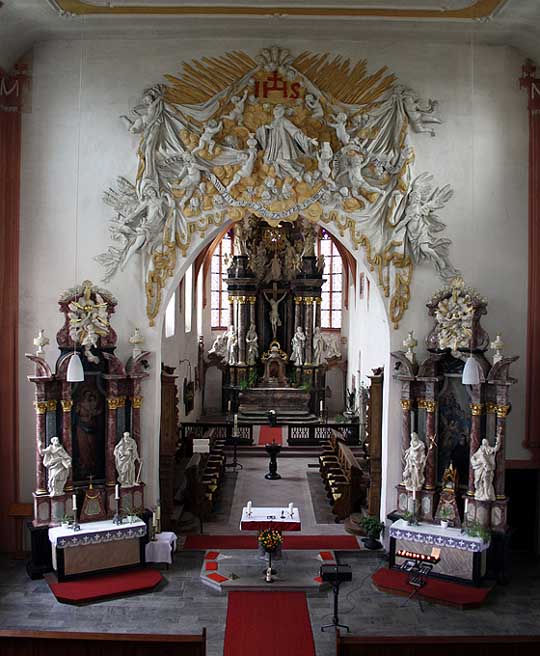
point(136, 404)
point(431, 461)
point(476, 437)
point(500, 460)
point(67, 440)
point(529, 82)
point(41, 440)
point(110, 469)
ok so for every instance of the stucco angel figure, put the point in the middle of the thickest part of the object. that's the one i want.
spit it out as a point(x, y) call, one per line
point(483, 464)
point(248, 162)
point(314, 105)
point(415, 463)
point(421, 113)
point(206, 140)
point(324, 159)
point(219, 347)
point(339, 124)
point(298, 344)
point(126, 455)
point(283, 144)
point(419, 223)
point(252, 343)
point(237, 112)
point(275, 321)
point(351, 165)
point(145, 113)
point(58, 463)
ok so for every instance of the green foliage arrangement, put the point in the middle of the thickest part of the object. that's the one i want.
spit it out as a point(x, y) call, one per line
point(476, 530)
point(372, 526)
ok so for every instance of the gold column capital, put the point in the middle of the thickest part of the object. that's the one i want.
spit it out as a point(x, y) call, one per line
point(503, 410)
point(136, 401)
point(477, 409)
point(406, 404)
point(116, 402)
point(67, 404)
point(298, 300)
point(51, 405)
point(491, 408)
point(41, 407)
point(252, 299)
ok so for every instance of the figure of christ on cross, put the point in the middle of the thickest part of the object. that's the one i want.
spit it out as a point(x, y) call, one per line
point(274, 302)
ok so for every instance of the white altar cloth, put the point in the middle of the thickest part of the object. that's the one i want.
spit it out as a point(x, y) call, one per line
point(437, 536)
point(95, 532)
point(161, 550)
point(261, 518)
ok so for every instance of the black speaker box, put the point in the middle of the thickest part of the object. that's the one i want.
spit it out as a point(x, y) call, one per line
point(336, 573)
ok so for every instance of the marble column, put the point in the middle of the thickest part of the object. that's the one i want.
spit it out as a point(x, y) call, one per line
point(431, 429)
point(406, 407)
point(318, 302)
point(241, 329)
point(113, 404)
point(476, 437)
point(67, 438)
point(308, 329)
point(531, 83)
point(502, 413)
point(231, 311)
point(41, 434)
point(136, 405)
point(297, 312)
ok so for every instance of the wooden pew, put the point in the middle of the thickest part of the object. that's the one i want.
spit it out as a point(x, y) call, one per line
point(60, 643)
point(345, 482)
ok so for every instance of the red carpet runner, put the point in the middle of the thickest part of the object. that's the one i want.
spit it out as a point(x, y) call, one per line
point(269, 434)
point(268, 624)
point(315, 542)
point(435, 590)
point(97, 587)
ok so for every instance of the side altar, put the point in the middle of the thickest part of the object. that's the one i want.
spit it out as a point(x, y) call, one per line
point(88, 422)
point(273, 354)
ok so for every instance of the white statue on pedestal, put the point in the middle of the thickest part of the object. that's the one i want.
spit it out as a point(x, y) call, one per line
point(298, 346)
point(318, 347)
point(126, 455)
point(41, 342)
point(415, 463)
point(252, 342)
point(219, 347)
point(58, 463)
point(483, 464)
point(232, 343)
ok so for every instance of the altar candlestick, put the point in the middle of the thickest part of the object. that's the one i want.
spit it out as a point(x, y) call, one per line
point(291, 509)
point(414, 494)
point(158, 512)
point(74, 501)
point(249, 507)
point(321, 406)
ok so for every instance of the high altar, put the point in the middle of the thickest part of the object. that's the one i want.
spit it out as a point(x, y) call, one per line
point(273, 355)
point(80, 425)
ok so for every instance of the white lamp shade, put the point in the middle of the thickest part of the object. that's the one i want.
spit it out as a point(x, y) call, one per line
point(75, 371)
point(472, 372)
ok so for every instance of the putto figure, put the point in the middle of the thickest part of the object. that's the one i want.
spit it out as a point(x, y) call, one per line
point(126, 455)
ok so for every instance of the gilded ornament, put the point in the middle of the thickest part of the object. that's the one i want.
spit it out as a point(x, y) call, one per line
point(41, 407)
point(431, 406)
point(491, 408)
point(67, 405)
point(406, 404)
point(116, 402)
point(477, 409)
point(136, 402)
point(51, 405)
point(503, 410)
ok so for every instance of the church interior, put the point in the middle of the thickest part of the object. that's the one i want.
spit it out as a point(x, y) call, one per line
point(269, 327)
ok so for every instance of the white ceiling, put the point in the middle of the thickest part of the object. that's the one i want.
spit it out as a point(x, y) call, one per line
point(25, 22)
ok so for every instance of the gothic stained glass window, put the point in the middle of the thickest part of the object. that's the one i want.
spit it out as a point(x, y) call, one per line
point(332, 290)
point(219, 303)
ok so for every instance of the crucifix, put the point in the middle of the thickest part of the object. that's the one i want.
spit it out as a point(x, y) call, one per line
point(274, 302)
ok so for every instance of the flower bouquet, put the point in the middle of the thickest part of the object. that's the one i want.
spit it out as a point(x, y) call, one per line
point(270, 539)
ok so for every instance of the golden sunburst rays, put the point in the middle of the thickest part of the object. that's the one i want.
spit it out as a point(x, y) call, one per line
point(202, 80)
point(347, 84)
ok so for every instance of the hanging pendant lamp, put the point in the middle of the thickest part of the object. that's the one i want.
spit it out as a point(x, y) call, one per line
point(472, 371)
point(75, 371)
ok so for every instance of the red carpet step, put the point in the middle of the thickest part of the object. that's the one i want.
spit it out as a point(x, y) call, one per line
point(316, 542)
point(269, 434)
point(438, 591)
point(268, 624)
point(92, 588)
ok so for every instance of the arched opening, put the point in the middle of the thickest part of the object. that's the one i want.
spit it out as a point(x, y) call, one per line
point(358, 327)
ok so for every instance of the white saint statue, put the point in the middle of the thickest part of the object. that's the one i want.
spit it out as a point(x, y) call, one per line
point(232, 343)
point(58, 463)
point(318, 347)
point(283, 144)
point(275, 321)
point(126, 455)
point(252, 342)
point(298, 347)
point(483, 464)
point(415, 463)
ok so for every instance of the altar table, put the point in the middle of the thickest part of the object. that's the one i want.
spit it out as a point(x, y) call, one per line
point(98, 546)
point(463, 558)
point(261, 518)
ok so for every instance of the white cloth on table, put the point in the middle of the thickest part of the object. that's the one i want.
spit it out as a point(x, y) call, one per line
point(161, 550)
point(278, 518)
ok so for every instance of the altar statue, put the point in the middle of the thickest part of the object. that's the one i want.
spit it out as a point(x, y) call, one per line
point(252, 342)
point(283, 144)
point(415, 463)
point(126, 455)
point(275, 321)
point(318, 347)
point(483, 464)
point(219, 347)
point(298, 347)
point(58, 463)
point(232, 343)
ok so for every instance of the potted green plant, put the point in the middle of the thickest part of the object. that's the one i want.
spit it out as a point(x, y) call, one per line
point(67, 519)
point(373, 527)
point(445, 515)
point(410, 518)
point(476, 530)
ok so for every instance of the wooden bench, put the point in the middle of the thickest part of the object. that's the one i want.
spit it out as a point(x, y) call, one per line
point(63, 643)
point(345, 482)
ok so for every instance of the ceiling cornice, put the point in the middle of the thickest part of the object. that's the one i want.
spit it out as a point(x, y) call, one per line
point(477, 10)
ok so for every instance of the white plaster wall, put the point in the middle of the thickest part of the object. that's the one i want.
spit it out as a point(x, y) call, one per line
point(74, 146)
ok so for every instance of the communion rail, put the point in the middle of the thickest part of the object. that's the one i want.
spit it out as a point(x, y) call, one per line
point(315, 434)
point(223, 431)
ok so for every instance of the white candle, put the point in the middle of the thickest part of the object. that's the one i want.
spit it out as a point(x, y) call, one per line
point(414, 494)
point(158, 512)
point(154, 521)
point(249, 507)
point(321, 406)
point(235, 422)
point(74, 501)
point(291, 509)
point(229, 406)
point(117, 491)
